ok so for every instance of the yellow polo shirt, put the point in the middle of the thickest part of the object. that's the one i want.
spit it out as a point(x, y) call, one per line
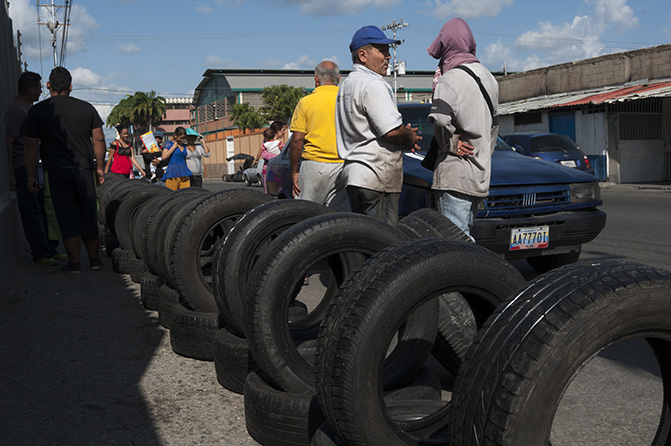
point(315, 116)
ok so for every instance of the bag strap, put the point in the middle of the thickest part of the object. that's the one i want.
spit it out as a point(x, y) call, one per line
point(483, 90)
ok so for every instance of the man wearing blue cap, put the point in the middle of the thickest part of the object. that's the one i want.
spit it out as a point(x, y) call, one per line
point(370, 131)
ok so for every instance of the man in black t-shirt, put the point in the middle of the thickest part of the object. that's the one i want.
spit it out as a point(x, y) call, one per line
point(72, 149)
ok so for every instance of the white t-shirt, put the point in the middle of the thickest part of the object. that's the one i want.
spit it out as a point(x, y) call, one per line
point(194, 160)
point(365, 112)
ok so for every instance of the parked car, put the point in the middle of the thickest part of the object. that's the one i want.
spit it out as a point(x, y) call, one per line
point(253, 174)
point(538, 211)
point(550, 147)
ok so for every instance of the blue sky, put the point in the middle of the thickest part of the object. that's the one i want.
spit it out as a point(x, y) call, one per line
point(117, 47)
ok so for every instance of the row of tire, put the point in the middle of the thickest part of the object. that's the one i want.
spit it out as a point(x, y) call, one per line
point(341, 329)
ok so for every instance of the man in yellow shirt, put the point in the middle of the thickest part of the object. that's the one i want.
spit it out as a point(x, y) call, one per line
point(313, 144)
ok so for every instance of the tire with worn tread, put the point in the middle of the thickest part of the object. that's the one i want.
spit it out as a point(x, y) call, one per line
point(531, 349)
point(429, 223)
point(351, 351)
point(128, 208)
point(192, 332)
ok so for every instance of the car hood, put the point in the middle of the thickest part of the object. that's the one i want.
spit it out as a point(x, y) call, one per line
point(508, 168)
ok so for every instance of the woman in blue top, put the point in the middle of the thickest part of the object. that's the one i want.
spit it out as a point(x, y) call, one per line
point(176, 175)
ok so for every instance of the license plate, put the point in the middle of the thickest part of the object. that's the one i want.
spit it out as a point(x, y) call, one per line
point(529, 238)
point(569, 163)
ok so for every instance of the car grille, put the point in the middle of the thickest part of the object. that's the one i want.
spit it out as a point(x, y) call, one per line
point(505, 199)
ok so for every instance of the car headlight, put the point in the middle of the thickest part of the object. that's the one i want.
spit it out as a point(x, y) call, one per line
point(584, 192)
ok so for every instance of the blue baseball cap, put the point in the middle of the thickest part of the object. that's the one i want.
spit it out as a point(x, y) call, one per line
point(370, 34)
point(158, 134)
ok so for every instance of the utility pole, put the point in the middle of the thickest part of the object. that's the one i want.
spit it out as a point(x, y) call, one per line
point(18, 47)
point(396, 67)
point(53, 24)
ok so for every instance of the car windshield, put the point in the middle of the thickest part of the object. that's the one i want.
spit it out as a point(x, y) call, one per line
point(419, 117)
point(552, 143)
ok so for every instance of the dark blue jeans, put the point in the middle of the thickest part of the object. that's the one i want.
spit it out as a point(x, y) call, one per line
point(31, 216)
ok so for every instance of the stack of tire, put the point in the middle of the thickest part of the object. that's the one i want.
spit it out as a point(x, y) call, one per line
point(341, 329)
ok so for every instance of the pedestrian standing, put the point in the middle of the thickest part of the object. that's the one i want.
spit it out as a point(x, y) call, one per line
point(196, 150)
point(31, 210)
point(177, 174)
point(72, 150)
point(121, 159)
point(465, 118)
point(315, 164)
point(369, 129)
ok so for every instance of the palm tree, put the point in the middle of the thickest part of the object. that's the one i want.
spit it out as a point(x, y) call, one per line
point(141, 111)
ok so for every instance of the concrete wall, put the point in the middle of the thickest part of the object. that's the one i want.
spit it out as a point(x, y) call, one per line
point(612, 69)
point(10, 235)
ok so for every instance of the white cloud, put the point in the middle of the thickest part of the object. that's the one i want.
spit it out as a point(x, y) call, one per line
point(303, 62)
point(204, 9)
point(552, 43)
point(214, 61)
point(84, 78)
point(468, 8)
point(24, 19)
point(129, 48)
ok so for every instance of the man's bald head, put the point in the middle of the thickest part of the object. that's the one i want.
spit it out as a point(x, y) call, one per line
point(327, 73)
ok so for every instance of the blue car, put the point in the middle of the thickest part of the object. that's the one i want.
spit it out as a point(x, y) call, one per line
point(550, 147)
point(538, 211)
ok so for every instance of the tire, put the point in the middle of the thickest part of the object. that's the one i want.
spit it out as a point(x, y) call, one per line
point(247, 181)
point(158, 223)
point(276, 418)
point(116, 197)
point(192, 332)
point(428, 223)
point(103, 192)
point(543, 264)
point(127, 209)
point(456, 330)
point(167, 298)
point(195, 239)
point(342, 239)
point(111, 242)
point(139, 221)
point(351, 353)
point(123, 261)
point(232, 360)
point(138, 270)
point(150, 289)
point(248, 241)
point(531, 349)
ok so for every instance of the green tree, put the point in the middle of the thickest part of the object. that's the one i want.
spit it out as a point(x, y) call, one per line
point(280, 101)
point(141, 110)
point(246, 117)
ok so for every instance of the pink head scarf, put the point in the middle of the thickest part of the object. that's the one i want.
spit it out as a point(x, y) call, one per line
point(455, 45)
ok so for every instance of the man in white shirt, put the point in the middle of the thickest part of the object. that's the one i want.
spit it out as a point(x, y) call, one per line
point(370, 131)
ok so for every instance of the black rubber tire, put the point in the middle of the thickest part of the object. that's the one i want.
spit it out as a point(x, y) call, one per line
point(127, 209)
point(102, 192)
point(139, 221)
point(111, 242)
point(123, 261)
point(246, 242)
point(276, 418)
point(116, 197)
point(530, 350)
point(150, 290)
point(543, 264)
point(456, 330)
point(351, 353)
point(193, 243)
point(428, 223)
point(278, 277)
point(167, 297)
point(138, 269)
point(192, 332)
point(232, 360)
point(158, 223)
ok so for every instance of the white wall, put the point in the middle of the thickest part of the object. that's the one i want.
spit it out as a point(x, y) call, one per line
point(640, 161)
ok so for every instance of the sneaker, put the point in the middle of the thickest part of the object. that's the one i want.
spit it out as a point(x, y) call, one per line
point(45, 261)
point(95, 264)
point(71, 268)
point(59, 256)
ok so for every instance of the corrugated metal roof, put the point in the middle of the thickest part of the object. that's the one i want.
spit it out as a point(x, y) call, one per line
point(603, 95)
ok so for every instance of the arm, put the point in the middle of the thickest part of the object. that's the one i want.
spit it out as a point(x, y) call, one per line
point(258, 154)
point(99, 150)
point(295, 150)
point(206, 150)
point(168, 152)
point(10, 165)
point(137, 165)
point(405, 136)
point(30, 155)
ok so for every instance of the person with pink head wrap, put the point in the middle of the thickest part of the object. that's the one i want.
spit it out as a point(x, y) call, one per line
point(464, 115)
